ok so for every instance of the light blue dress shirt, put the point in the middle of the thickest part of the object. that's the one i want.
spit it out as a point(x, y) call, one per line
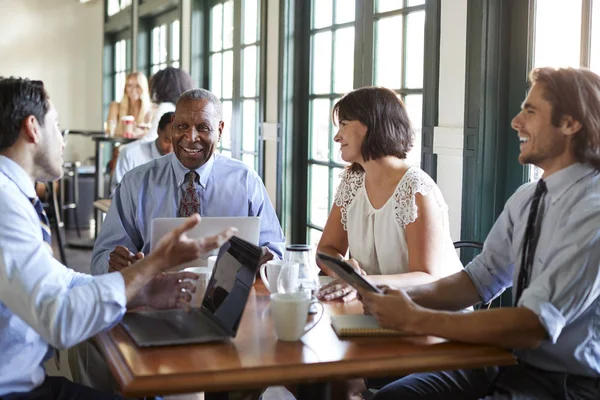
point(227, 188)
point(133, 154)
point(564, 289)
point(43, 304)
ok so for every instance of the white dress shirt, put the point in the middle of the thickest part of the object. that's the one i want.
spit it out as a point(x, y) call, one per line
point(134, 154)
point(564, 289)
point(43, 304)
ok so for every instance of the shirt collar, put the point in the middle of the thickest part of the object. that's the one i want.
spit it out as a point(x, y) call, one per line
point(154, 152)
point(559, 182)
point(180, 171)
point(17, 174)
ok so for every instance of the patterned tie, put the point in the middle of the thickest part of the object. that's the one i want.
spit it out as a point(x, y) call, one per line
point(532, 234)
point(44, 222)
point(190, 202)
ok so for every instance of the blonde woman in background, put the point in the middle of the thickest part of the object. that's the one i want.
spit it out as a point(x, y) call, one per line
point(135, 102)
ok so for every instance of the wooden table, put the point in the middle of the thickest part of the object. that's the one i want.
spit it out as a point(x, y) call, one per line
point(256, 359)
point(102, 205)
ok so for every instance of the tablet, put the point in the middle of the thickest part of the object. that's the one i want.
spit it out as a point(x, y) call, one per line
point(347, 273)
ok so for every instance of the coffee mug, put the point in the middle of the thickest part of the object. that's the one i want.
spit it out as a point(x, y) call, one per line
point(289, 312)
point(269, 273)
point(201, 284)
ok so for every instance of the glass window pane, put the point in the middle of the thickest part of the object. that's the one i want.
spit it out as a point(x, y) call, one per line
point(249, 68)
point(155, 45)
point(320, 113)
point(251, 19)
point(415, 48)
point(336, 181)
point(321, 63)
point(216, 28)
point(226, 136)
point(343, 76)
point(410, 3)
point(344, 11)
point(319, 196)
point(228, 24)
point(388, 5)
point(313, 237)
point(249, 125)
point(249, 160)
point(175, 64)
point(227, 74)
point(113, 7)
point(175, 40)
point(595, 41)
point(414, 108)
point(388, 52)
point(554, 46)
point(163, 43)
point(226, 153)
point(215, 74)
point(322, 13)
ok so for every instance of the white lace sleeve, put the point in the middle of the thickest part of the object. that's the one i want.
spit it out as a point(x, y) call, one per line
point(405, 205)
point(349, 185)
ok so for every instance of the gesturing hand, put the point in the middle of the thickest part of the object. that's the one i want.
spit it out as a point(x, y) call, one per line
point(121, 258)
point(169, 290)
point(176, 247)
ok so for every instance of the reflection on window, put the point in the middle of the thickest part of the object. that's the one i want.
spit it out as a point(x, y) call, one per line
point(240, 92)
point(120, 68)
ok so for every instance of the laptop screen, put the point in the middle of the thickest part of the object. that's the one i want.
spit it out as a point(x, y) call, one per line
point(231, 282)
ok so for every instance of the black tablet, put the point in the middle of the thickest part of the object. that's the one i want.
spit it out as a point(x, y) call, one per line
point(347, 273)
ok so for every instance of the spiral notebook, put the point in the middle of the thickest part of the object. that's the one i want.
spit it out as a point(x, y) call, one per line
point(360, 325)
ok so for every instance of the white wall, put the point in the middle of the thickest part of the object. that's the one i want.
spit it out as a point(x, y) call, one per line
point(59, 42)
point(449, 134)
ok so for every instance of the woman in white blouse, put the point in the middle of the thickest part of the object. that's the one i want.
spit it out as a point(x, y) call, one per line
point(391, 216)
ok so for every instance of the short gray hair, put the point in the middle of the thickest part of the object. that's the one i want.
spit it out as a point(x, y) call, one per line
point(202, 94)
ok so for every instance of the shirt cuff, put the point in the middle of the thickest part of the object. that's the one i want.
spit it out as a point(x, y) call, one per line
point(487, 287)
point(112, 289)
point(552, 320)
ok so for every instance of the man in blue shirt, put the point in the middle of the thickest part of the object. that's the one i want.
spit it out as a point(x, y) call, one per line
point(193, 178)
point(545, 245)
point(133, 154)
point(43, 304)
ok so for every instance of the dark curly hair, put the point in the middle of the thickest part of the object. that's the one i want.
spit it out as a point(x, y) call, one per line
point(20, 98)
point(165, 120)
point(167, 84)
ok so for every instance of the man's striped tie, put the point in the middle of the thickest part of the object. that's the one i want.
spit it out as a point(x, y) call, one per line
point(44, 222)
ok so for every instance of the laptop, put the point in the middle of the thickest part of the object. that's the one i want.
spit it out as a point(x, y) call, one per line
point(248, 229)
point(219, 316)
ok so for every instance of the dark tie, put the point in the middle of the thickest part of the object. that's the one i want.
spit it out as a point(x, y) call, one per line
point(532, 234)
point(190, 202)
point(44, 222)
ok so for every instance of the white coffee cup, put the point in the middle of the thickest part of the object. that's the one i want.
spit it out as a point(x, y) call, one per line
point(269, 273)
point(210, 262)
point(201, 284)
point(289, 312)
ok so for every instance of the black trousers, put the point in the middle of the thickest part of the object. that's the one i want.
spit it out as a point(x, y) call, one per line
point(59, 388)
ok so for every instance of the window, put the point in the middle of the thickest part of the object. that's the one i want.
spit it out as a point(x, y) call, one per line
point(576, 43)
point(336, 35)
point(120, 71)
point(234, 75)
point(114, 6)
point(165, 44)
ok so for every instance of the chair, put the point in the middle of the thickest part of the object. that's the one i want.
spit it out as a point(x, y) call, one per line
point(475, 248)
point(71, 173)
